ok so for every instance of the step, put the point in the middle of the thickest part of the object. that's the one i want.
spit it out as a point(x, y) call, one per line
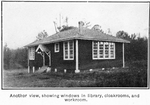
point(42, 69)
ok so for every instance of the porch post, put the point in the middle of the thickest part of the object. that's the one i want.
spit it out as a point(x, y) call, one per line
point(28, 69)
point(49, 58)
point(43, 59)
point(123, 55)
point(77, 58)
point(28, 62)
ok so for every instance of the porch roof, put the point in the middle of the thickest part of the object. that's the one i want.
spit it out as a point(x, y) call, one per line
point(42, 48)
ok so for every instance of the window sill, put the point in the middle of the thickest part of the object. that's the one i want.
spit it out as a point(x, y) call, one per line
point(68, 59)
point(56, 51)
point(102, 58)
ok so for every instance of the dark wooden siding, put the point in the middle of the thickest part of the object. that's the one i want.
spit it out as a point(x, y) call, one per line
point(57, 60)
point(38, 62)
point(85, 58)
point(86, 61)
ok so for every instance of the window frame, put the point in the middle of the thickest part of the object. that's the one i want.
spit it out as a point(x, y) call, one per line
point(56, 49)
point(31, 53)
point(98, 50)
point(68, 50)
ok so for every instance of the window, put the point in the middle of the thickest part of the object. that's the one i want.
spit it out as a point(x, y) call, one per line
point(112, 47)
point(56, 47)
point(106, 50)
point(103, 50)
point(68, 50)
point(95, 50)
point(32, 53)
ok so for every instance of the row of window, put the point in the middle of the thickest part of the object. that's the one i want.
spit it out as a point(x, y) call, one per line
point(100, 50)
point(103, 50)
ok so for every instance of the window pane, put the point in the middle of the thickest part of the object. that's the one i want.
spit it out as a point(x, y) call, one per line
point(57, 47)
point(71, 45)
point(71, 49)
point(32, 53)
point(71, 53)
point(95, 49)
point(101, 46)
point(66, 50)
point(106, 50)
point(112, 50)
point(95, 45)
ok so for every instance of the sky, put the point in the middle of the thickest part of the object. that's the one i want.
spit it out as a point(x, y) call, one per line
point(22, 21)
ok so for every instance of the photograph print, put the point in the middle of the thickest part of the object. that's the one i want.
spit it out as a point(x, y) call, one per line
point(74, 44)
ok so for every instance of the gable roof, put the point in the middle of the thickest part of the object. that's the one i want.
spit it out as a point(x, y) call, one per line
point(42, 48)
point(75, 33)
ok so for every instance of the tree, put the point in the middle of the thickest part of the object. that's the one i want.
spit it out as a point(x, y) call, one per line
point(14, 58)
point(123, 35)
point(41, 35)
point(6, 56)
point(61, 26)
point(137, 49)
point(66, 28)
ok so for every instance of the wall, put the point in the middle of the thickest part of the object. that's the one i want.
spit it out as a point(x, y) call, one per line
point(56, 59)
point(85, 58)
point(86, 61)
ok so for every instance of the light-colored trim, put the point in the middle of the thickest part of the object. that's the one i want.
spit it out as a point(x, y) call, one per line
point(33, 69)
point(114, 50)
point(55, 47)
point(92, 49)
point(109, 53)
point(77, 57)
point(50, 59)
point(104, 43)
point(49, 56)
point(63, 50)
point(30, 53)
point(104, 51)
point(123, 55)
point(72, 38)
point(68, 44)
point(43, 59)
point(28, 69)
point(28, 62)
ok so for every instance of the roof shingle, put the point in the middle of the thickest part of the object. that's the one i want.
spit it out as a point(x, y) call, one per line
point(85, 34)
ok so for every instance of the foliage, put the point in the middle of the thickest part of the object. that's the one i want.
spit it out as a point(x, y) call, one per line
point(15, 58)
point(137, 49)
point(6, 56)
point(123, 35)
point(66, 28)
point(41, 35)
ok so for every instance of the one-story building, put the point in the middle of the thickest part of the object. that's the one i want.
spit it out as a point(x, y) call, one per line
point(75, 50)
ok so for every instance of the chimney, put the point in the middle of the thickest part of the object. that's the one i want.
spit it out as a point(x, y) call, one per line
point(81, 24)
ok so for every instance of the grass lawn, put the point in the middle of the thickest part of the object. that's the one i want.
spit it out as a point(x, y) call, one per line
point(134, 76)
